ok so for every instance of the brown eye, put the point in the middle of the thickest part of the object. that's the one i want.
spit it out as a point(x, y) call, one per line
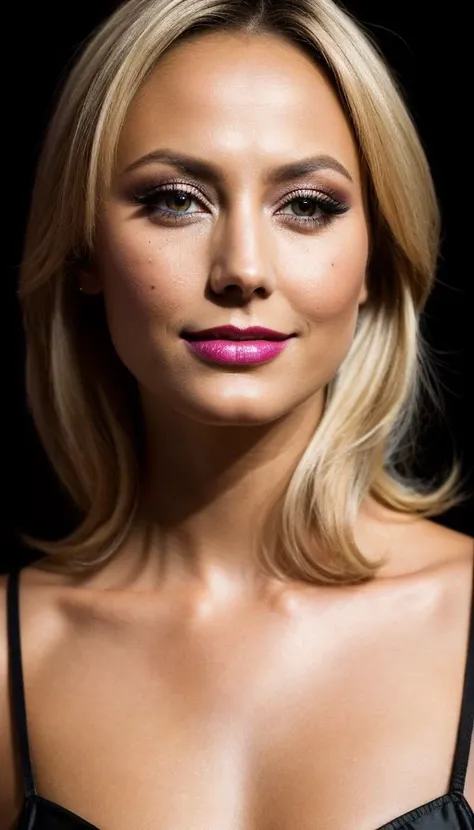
point(167, 202)
point(179, 198)
point(306, 205)
point(313, 209)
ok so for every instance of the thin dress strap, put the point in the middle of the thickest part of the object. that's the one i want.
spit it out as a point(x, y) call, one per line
point(16, 676)
point(466, 720)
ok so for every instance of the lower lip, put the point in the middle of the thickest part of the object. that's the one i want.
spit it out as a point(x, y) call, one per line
point(237, 352)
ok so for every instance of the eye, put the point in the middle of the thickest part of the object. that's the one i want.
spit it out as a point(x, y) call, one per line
point(322, 208)
point(170, 203)
point(175, 200)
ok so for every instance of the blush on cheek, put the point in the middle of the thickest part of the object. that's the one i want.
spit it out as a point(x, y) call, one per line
point(334, 296)
point(327, 279)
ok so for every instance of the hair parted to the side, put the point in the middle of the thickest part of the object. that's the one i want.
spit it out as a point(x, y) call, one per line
point(83, 400)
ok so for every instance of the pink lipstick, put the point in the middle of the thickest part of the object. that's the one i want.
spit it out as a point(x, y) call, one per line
point(233, 346)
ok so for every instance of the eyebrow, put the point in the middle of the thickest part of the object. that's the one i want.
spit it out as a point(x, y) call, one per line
point(189, 165)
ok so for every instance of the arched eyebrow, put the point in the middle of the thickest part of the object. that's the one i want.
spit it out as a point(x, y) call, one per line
point(200, 169)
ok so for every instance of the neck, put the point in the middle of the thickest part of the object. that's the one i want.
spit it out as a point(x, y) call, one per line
point(207, 491)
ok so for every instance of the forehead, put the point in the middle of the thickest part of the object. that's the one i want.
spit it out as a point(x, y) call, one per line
point(234, 96)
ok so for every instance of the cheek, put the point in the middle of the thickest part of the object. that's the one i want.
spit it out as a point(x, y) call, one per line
point(143, 279)
point(335, 281)
point(145, 291)
point(148, 278)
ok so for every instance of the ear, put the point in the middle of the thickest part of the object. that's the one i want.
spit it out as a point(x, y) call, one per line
point(364, 291)
point(88, 279)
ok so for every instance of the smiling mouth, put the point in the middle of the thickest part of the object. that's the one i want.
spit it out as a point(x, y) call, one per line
point(236, 333)
point(237, 337)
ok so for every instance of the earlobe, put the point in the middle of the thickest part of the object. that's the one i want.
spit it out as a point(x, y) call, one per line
point(363, 294)
point(88, 281)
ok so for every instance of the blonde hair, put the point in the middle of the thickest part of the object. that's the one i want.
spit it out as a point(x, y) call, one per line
point(83, 400)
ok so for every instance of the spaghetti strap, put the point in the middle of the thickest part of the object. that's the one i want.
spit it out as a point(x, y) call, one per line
point(466, 720)
point(16, 678)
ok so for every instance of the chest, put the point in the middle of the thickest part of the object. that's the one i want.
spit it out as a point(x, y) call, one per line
point(262, 722)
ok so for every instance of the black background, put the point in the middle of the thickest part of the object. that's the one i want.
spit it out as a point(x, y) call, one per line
point(421, 44)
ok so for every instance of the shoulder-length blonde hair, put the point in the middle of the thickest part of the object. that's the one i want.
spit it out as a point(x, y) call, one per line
point(85, 403)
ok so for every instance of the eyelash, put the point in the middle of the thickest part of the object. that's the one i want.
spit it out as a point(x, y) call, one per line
point(328, 203)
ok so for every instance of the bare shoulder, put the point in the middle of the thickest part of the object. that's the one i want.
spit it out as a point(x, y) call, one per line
point(440, 547)
point(456, 551)
point(39, 622)
point(413, 545)
point(7, 779)
point(445, 541)
point(441, 560)
point(448, 560)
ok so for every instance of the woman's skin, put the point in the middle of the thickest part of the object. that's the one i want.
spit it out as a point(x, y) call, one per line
point(178, 687)
point(222, 440)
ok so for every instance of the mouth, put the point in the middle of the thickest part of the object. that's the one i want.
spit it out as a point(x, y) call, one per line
point(247, 351)
point(236, 334)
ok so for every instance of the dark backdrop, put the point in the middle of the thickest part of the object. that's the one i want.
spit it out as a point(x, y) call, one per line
point(419, 43)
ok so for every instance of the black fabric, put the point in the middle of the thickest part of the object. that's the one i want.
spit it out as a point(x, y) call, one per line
point(448, 812)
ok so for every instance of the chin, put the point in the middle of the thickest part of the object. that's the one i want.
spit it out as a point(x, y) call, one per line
point(231, 408)
point(264, 406)
point(234, 415)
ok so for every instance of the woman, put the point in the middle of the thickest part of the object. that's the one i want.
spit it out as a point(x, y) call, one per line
point(255, 623)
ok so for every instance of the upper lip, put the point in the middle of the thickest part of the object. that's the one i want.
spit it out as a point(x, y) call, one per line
point(235, 333)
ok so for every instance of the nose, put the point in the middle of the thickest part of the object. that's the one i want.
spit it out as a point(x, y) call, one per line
point(241, 261)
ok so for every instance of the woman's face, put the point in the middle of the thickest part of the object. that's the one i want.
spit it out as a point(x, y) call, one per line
point(242, 246)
